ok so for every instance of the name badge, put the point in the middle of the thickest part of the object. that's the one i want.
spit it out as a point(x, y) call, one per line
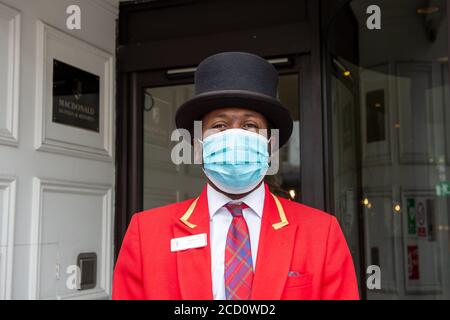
point(189, 242)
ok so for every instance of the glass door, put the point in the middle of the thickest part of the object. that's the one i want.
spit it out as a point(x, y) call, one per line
point(390, 119)
point(165, 182)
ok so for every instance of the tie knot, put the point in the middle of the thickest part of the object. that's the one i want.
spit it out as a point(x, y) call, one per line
point(236, 208)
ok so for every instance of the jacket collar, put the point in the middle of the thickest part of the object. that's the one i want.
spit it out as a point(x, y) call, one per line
point(255, 200)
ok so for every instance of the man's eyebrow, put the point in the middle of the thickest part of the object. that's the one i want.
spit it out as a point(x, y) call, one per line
point(221, 115)
point(226, 116)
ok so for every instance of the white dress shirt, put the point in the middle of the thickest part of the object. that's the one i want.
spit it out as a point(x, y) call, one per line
point(220, 221)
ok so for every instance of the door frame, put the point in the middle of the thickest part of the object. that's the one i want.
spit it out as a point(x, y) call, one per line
point(129, 195)
point(129, 126)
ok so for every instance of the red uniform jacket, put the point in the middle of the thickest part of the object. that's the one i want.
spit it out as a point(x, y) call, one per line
point(302, 254)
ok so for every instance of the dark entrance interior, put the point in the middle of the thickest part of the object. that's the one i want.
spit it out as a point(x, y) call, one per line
point(159, 46)
point(348, 88)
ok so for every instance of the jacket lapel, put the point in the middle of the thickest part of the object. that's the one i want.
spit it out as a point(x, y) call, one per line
point(275, 251)
point(194, 265)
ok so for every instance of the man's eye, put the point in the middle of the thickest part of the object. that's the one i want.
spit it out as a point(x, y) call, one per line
point(250, 126)
point(219, 126)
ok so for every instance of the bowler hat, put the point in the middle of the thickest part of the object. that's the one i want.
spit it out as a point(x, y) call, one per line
point(236, 79)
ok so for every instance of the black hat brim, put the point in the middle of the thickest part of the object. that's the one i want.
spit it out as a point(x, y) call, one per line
point(194, 109)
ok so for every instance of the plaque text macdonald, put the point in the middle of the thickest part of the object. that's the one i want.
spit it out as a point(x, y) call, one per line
point(76, 97)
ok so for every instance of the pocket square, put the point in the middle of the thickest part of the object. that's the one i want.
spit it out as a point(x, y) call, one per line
point(298, 279)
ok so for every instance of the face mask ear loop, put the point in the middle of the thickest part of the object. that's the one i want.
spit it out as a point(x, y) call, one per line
point(269, 144)
point(271, 154)
point(201, 144)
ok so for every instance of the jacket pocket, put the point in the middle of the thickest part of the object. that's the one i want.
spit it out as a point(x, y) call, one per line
point(300, 280)
point(298, 287)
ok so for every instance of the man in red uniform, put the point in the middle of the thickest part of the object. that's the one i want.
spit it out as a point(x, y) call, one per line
point(237, 240)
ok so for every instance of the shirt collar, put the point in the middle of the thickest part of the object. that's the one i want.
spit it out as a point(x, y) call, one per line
point(255, 200)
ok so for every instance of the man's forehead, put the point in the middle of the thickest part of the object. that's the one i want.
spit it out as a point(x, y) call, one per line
point(233, 112)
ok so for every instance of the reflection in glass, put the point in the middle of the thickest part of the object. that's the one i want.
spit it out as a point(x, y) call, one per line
point(391, 128)
point(165, 182)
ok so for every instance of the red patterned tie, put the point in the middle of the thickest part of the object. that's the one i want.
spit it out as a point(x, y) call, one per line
point(238, 256)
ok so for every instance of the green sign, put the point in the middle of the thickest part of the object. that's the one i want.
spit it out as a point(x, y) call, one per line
point(443, 189)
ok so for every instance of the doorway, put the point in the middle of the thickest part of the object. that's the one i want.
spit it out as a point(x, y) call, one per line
point(164, 182)
point(156, 75)
point(154, 180)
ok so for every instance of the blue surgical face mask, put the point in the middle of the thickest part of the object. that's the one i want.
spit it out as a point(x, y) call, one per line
point(235, 160)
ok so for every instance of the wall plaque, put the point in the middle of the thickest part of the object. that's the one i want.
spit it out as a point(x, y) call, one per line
point(76, 97)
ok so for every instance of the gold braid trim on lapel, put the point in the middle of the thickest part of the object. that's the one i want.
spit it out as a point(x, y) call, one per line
point(187, 215)
point(283, 220)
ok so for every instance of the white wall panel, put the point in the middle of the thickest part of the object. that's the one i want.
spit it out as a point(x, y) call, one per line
point(9, 74)
point(69, 218)
point(53, 137)
point(46, 216)
point(7, 212)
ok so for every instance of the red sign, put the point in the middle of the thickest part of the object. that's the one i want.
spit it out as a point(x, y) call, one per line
point(421, 220)
point(413, 262)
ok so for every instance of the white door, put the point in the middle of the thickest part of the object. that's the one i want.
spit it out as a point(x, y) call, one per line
point(56, 149)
